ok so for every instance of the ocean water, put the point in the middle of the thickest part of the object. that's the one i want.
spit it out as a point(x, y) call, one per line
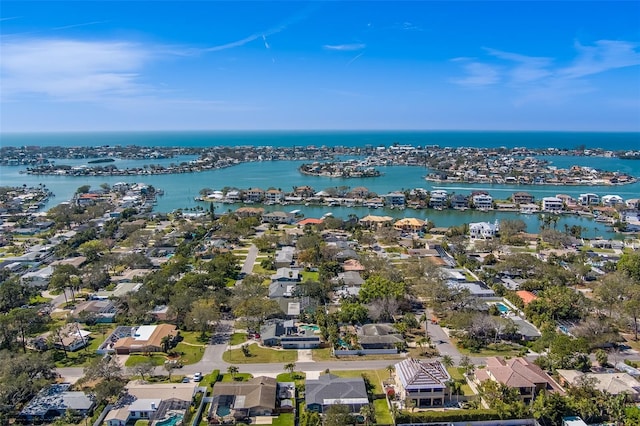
point(181, 189)
point(608, 140)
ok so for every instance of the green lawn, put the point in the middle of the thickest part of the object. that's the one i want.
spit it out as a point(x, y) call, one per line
point(257, 269)
point(260, 355)
point(36, 300)
point(189, 354)
point(325, 354)
point(237, 338)
point(310, 276)
point(510, 351)
point(81, 357)
point(194, 337)
point(239, 377)
point(456, 374)
point(383, 414)
point(375, 376)
point(155, 359)
point(284, 419)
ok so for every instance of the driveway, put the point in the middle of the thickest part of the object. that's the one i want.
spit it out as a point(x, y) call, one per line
point(250, 260)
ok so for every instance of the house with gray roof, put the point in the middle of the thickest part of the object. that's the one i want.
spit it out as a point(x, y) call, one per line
point(286, 334)
point(330, 390)
point(54, 401)
point(348, 278)
point(379, 336)
point(422, 381)
point(255, 397)
point(286, 275)
point(282, 289)
point(284, 257)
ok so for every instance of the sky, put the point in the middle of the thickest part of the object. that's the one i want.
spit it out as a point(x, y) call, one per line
point(216, 65)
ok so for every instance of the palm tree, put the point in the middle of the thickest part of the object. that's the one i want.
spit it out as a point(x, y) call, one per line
point(368, 413)
point(233, 370)
point(447, 361)
point(425, 319)
point(290, 367)
point(391, 369)
point(166, 343)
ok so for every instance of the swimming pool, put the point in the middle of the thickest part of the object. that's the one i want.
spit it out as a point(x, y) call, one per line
point(223, 410)
point(172, 420)
point(502, 308)
point(310, 327)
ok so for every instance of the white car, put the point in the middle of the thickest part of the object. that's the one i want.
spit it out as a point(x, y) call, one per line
point(197, 377)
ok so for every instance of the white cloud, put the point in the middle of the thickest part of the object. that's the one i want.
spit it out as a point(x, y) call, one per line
point(71, 69)
point(478, 75)
point(345, 47)
point(535, 78)
point(605, 55)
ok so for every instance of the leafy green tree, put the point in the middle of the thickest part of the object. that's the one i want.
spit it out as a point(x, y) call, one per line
point(549, 408)
point(377, 287)
point(338, 415)
point(629, 264)
point(203, 316)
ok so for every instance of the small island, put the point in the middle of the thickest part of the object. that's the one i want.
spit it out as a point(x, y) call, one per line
point(342, 169)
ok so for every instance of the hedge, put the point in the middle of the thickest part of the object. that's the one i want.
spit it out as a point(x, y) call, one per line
point(446, 416)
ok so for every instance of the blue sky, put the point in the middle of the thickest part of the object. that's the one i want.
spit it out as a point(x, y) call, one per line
point(164, 65)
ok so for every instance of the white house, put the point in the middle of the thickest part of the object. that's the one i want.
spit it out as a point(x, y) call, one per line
point(552, 204)
point(483, 230)
point(589, 199)
point(612, 200)
point(483, 201)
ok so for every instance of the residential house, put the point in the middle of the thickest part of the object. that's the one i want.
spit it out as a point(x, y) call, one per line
point(483, 230)
point(614, 383)
point(348, 278)
point(284, 257)
point(589, 199)
point(54, 401)
point(371, 221)
point(145, 338)
point(422, 381)
point(612, 200)
point(482, 201)
point(278, 217)
point(526, 296)
point(286, 275)
point(158, 403)
point(255, 195)
point(273, 196)
point(438, 199)
point(518, 373)
point(552, 204)
point(522, 198)
point(282, 289)
point(255, 397)
point(409, 224)
point(330, 390)
point(38, 279)
point(352, 265)
point(99, 311)
point(286, 334)
point(249, 212)
point(394, 199)
point(459, 201)
point(379, 336)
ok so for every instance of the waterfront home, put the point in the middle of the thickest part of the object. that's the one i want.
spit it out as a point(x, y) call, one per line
point(518, 373)
point(552, 204)
point(249, 212)
point(273, 196)
point(483, 230)
point(482, 201)
point(278, 217)
point(330, 390)
point(54, 401)
point(255, 195)
point(371, 221)
point(459, 201)
point(422, 381)
point(394, 199)
point(522, 198)
point(589, 199)
point(612, 200)
point(633, 203)
point(437, 198)
point(409, 224)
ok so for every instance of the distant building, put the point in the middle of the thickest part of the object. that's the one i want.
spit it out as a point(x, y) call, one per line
point(483, 201)
point(522, 198)
point(394, 199)
point(552, 204)
point(589, 199)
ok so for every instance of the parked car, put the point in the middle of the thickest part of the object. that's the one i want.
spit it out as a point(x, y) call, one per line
point(185, 380)
point(197, 377)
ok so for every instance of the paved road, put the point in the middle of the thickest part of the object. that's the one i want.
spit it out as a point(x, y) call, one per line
point(249, 261)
